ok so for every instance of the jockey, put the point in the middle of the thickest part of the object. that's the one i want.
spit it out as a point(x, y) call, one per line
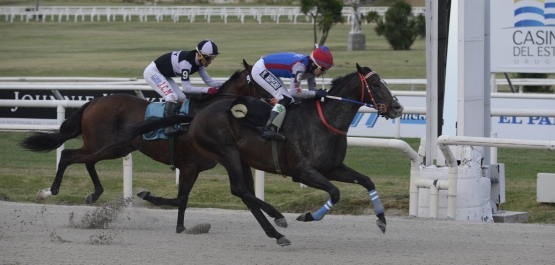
point(181, 63)
point(268, 70)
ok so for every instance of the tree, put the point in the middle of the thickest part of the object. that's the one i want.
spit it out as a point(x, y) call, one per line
point(325, 14)
point(372, 17)
point(401, 28)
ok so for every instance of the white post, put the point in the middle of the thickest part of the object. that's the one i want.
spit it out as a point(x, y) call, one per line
point(176, 176)
point(61, 115)
point(434, 202)
point(259, 184)
point(493, 150)
point(128, 179)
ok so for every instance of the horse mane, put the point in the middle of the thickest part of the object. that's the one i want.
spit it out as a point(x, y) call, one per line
point(233, 77)
point(205, 97)
point(342, 80)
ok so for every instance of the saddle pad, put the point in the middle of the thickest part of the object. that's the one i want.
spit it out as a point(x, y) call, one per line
point(251, 112)
point(155, 110)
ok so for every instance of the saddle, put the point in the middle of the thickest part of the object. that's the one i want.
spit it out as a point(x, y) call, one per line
point(155, 110)
point(251, 112)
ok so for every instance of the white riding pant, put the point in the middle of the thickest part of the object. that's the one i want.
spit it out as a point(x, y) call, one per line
point(166, 87)
point(269, 81)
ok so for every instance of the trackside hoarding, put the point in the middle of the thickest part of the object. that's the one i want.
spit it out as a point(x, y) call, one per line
point(522, 36)
point(364, 124)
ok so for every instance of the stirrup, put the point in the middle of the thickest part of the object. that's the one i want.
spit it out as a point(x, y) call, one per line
point(171, 130)
point(271, 134)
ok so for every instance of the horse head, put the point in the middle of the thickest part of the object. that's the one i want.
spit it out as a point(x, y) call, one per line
point(375, 92)
point(255, 88)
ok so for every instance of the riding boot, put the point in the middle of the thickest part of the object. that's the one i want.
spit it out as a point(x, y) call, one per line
point(271, 132)
point(170, 109)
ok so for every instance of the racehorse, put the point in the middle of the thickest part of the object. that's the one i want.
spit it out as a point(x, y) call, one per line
point(312, 154)
point(102, 122)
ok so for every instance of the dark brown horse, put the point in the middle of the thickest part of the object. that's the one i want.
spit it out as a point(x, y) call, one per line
point(312, 153)
point(104, 120)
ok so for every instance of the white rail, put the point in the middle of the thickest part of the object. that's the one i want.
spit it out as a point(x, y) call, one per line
point(173, 13)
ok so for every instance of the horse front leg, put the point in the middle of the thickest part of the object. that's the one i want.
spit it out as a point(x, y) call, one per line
point(239, 188)
point(314, 179)
point(346, 174)
point(279, 219)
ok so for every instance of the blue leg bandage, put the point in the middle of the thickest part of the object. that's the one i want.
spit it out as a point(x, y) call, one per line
point(378, 206)
point(318, 215)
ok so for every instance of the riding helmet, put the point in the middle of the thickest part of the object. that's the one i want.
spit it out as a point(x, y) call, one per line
point(322, 57)
point(208, 49)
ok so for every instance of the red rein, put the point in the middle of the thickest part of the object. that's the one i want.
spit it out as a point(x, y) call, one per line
point(364, 84)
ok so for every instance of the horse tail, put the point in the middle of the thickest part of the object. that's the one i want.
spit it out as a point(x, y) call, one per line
point(45, 142)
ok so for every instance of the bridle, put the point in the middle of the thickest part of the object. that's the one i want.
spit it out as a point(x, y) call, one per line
point(381, 108)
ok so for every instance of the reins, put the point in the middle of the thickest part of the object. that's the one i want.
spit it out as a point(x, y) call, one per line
point(364, 84)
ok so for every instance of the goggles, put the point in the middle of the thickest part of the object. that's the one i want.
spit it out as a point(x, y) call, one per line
point(206, 56)
point(322, 69)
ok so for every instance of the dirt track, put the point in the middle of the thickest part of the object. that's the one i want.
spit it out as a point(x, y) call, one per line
point(43, 234)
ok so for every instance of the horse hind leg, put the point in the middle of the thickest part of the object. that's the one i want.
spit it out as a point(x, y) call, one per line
point(66, 159)
point(98, 189)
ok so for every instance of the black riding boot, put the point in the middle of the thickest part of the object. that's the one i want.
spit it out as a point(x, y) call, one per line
point(271, 130)
point(170, 109)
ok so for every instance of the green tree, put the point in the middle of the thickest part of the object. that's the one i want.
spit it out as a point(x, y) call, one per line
point(325, 14)
point(372, 17)
point(401, 28)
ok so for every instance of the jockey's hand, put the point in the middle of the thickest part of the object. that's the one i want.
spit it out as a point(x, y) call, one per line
point(212, 91)
point(321, 93)
point(274, 101)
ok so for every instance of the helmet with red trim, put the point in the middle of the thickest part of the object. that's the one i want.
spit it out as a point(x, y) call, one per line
point(322, 57)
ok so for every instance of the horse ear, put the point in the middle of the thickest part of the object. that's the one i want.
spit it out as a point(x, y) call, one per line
point(359, 68)
point(246, 65)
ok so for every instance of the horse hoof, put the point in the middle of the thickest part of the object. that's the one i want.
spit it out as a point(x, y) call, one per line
point(43, 194)
point(281, 222)
point(180, 229)
point(305, 217)
point(143, 194)
point(283, 242)
point(381, 224)
point(89, 199)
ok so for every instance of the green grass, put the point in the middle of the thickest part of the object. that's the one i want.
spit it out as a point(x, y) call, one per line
point(124, 49)
point(24, 173)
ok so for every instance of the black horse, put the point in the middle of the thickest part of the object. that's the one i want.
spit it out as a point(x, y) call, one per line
point(103, 121)
point(312, 154)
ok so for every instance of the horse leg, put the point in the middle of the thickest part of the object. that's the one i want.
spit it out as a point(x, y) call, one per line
point(233, 165)
point(279, 219)
point(98, 189)
point(66, 159)
point(346, 174)
point(314, 179)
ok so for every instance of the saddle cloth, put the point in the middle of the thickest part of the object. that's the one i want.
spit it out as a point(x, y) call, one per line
point(251, 112)
point(155, 110)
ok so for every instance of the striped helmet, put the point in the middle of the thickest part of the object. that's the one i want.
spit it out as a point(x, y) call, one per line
point(207, 49)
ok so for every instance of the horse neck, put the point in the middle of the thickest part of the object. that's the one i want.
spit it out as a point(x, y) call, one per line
point(339, 114)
